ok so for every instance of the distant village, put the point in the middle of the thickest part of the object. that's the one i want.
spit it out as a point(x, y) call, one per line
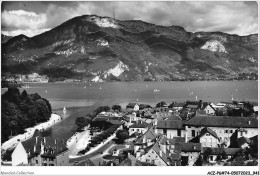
point(192, 133)
point(30, 78)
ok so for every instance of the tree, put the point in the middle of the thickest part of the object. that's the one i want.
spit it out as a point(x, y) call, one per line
point(161, 104)
point(81, 122)
point(171, 105)
point(21, 111)
point(122, 135)
point(224, 155)
point(101, 109)
point(206, 154)
point(117, 107)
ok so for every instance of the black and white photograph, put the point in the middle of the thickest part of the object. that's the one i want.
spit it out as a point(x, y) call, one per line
point(129, 83)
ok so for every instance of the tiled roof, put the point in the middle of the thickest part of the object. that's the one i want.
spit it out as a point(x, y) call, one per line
point(174, 117)
point(131, 105)
point(201, 112)
point(116, 122)
point(172, 141)
point(149, 134)
point(205, 104)
point(157, 149)
point(52, 146)
point(170, 124)
point(254, 138)
point(104, 118)
point(242, 140)
point(223, 121)
point(208, 130)
point(130, 161)
point(139, 124)
point(86, 162)
point(188, 147)
point(219, 151)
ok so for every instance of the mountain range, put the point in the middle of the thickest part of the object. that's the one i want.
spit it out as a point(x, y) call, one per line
point(95, 48)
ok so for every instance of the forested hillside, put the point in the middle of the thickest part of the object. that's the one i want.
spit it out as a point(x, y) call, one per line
point(22, 110)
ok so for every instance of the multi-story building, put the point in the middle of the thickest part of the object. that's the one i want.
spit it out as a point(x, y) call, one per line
point(223, 126)
point(170, 127)
point(41, 151)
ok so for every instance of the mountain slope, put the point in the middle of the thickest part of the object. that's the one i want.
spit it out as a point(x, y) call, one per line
point(4, 38)
point(101, 48)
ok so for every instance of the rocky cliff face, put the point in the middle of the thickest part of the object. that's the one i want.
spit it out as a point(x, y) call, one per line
point(103, 49)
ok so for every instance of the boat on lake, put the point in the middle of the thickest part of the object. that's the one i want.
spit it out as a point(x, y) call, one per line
point(156, 90)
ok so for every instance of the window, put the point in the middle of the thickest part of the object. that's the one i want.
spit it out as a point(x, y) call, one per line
point(51, 159)
point(226, 131)
point(133, 129)
point(164, 131)
point(179, 132)
point(51, 164)
point(231, 131)
point(44, 164)
point(193, 133)
point(36, 161)
point(241, 133)
point(211, 158)
point(207, 134)
point(44, 159)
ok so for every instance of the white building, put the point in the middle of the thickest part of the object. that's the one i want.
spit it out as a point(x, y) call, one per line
point(223, 126)
point(170, 128)
point(19, 155)
point(139, 127)
point(41, 151)
point(208, 108)
point(207, 138)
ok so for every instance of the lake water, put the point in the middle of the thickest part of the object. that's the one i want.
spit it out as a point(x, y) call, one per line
point(86, 94)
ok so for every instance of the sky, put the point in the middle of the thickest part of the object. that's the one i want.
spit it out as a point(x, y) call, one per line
point(233, 17)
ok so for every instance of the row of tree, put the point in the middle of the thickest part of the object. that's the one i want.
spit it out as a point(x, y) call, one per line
point(21, 111)
point(99, 138)
point(81, 121)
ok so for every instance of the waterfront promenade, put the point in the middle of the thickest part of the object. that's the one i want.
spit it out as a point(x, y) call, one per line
point(30, 131)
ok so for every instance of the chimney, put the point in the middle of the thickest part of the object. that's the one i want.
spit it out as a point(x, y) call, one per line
point(55, 141)
point(144, 139)
point(34, 148)
point(186, 135)
point(42, 147)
